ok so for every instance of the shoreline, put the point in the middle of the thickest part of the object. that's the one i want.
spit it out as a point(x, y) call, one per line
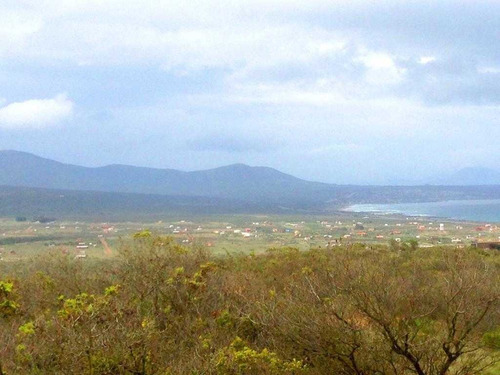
point(476, 211)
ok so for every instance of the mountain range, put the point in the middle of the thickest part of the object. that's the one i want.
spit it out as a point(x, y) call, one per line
point(235, 188)
point(237, 181)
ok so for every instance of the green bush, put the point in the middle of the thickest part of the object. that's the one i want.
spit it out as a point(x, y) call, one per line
point(161, 308)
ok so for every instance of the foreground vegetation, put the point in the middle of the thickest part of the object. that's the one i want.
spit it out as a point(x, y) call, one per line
point(160, 308)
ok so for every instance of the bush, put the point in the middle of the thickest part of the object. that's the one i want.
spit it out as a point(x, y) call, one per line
point(161, 308)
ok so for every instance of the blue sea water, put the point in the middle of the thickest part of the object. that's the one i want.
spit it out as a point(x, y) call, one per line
point(469, 210)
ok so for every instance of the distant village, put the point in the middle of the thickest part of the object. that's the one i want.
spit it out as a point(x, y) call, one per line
point(81, 240)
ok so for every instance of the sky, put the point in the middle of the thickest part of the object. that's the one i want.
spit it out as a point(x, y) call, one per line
point(347, 92)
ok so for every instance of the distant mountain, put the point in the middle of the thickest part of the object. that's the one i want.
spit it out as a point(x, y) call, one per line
point(469, 176)
point(236, 181)
point(31, 184)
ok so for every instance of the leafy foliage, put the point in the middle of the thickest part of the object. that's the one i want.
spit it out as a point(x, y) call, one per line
point(162, 308)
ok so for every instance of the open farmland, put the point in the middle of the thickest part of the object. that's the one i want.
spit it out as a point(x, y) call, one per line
point(228, 234)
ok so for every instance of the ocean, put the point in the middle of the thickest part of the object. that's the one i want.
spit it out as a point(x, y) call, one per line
point(470, 210)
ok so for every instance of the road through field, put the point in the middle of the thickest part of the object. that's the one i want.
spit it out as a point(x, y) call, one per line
point(107, 249)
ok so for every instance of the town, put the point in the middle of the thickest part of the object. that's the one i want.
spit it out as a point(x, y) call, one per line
point(256, 234)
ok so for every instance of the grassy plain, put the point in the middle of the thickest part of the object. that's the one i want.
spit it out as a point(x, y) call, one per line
point(228, 234)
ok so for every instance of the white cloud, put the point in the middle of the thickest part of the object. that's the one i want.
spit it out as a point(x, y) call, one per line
point(381, 68)
point(356, 45)
point(426, 60)
point(489, 70)
point(36, 113)
point(286, 94)
point(377, 61)
point(15, 30)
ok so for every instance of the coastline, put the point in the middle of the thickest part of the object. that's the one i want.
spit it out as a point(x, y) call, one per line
point(487, 210)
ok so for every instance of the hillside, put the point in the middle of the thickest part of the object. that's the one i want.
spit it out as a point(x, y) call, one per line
point(38, 202)
point(35, 202)
point(31, 185)
point(236, 181)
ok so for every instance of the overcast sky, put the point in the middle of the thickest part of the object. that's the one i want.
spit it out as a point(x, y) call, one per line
point(335, 91)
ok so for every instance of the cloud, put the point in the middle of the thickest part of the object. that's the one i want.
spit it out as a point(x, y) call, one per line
point(387, 86)
point(363, 49)
point(36, 113)
point(15, 30)
point(426, 59)
point(333, 149)
point(241, 143)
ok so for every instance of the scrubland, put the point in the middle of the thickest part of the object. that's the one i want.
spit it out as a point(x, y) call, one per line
point(161, 308)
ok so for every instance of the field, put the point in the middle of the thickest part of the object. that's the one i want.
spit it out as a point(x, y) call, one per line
point(222, 234)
